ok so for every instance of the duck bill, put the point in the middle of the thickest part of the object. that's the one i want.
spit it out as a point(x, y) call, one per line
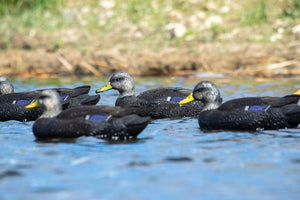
point(104, 88)
point(34, 104)
point(188, 99)
point(297, 92)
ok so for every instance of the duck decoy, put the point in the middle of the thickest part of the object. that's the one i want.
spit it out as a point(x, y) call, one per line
point(12, 105)
point(250, 113)
point(106, 122)
point(158, 103)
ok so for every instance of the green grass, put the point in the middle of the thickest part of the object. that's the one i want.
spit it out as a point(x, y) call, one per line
point(255, 14)
point(121, 24)
point(291, 8)
point(18, 7)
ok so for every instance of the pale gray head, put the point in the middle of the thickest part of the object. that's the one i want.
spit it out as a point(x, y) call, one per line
point(6, 86)
point(123, 82)
point(50, 102)
point(208, 93)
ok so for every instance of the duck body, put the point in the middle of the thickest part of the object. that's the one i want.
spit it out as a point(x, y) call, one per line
point(249, 113)
point(165, 93)
point(101, 121)
point(160, 108)
point(251, 118)
point(12, 105)
point(158, 103)
point(250, 101)
point(18, 112)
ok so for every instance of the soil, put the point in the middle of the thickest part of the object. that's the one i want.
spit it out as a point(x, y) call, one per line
point(227, 59)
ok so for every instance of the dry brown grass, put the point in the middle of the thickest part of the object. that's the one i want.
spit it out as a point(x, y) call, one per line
point(260, 60)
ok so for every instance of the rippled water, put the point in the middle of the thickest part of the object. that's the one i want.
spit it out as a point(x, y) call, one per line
point(172, 159)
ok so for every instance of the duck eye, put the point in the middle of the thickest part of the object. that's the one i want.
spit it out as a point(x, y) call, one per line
point(43, 97)
point(119, 79)
point(201, 90)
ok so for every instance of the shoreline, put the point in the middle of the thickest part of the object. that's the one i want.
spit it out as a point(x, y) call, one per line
point(224, 59)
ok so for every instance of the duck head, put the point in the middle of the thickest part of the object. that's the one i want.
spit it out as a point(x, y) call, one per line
point(206, 92)
point(121, 81)
point(6, 86)
point(49, 101)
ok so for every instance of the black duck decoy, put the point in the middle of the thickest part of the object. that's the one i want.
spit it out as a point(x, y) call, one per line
point(250, 113)
point(12, 105)
point(158, 103)
point(106, 122)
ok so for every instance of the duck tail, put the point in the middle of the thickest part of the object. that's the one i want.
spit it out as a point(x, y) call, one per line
point(292, 113)
point(81, 100)
point(90, 100)
point(81, 90)
point(135, 123)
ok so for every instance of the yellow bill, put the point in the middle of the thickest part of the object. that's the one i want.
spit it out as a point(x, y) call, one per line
point(297, 92)
point(34, 104)
point(104, 88)
point(188, 99)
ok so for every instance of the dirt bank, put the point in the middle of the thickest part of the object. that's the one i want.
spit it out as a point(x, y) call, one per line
point(247, 59)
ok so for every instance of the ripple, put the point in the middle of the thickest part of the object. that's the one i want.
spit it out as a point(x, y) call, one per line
point(209, 159)
point(10, 173)
point(48, 189)
point(296, 160)
point(138, 163)
point(179, 159)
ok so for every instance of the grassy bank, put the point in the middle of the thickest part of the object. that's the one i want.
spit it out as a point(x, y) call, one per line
point(151, 23)
point(135, 26)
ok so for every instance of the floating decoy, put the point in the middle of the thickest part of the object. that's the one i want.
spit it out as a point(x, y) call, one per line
point(106, 122)
point(158, 103)
point(250, 113)
point(12, 105)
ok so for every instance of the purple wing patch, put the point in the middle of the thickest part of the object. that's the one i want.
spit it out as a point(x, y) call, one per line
point(23, 102)
point(62, 98)
point(98, 118)
point(257, 108)
point(176, 99)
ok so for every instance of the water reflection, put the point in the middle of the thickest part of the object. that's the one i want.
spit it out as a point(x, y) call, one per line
point(130, 141)
point(55, 140)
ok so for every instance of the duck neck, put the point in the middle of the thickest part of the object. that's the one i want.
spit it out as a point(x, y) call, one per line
point(210, 106)
point(126, 93)
point(51, 112)
point(212, 102)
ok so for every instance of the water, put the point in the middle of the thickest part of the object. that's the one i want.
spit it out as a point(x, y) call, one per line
point(171, 159)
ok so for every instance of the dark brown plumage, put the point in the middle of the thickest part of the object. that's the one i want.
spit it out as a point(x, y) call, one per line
point(158, 103)
point(250, 113)
point(248, 101)
point(102, 121)
point(12, 105)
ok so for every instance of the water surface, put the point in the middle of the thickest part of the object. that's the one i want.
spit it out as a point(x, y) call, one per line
point(171, 159)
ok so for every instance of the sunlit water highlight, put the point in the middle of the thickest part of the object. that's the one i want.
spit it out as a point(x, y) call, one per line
point(171, 159)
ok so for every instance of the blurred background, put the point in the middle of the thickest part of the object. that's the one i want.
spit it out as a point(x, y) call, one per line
point(54, 38)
